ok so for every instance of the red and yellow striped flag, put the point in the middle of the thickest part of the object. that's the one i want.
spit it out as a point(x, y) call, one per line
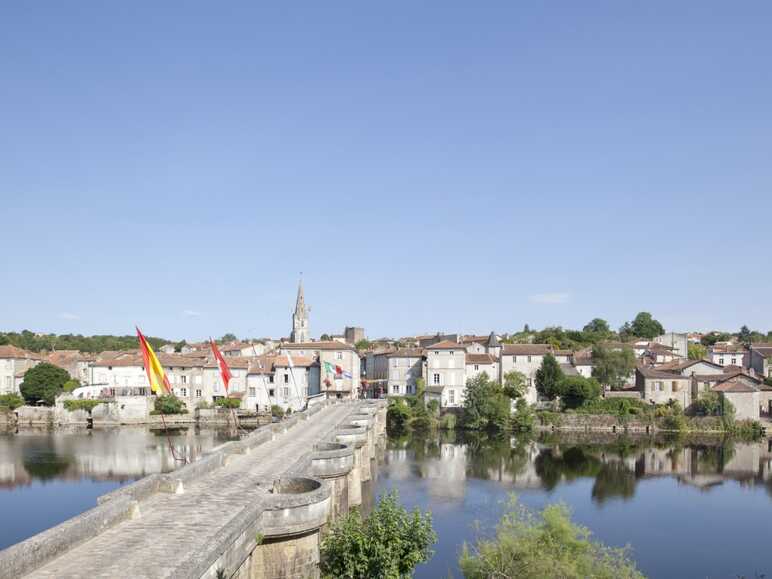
point(159, 383)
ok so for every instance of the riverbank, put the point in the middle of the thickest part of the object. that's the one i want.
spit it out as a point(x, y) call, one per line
point(129, 412)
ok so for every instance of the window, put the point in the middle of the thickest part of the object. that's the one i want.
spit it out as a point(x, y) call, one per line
point(675, 386)
point(452, 353)
point(734, 361)
point(183, 392)
point(436, 353)
point(514, 359)
point(252, 391)
point(338, 355)
point(395, 388)
point(270, 379)
point(476, 367)
point(436, 379)
point(286, 378)
point(183, 379)
point(721, 361)
point(658, 387)
point(271, 392)
point(198, 393)
point(529, 358)
point(286, 393)
point(452, 396)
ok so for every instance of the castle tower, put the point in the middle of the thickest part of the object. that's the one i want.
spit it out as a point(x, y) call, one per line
point(300, 330)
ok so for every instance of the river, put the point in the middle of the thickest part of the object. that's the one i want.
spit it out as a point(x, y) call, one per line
point(689, 509)
point(46, 477)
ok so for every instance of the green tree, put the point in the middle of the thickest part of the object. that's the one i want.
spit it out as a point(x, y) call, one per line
point(612, 367)
point(744, 335)
point(362, 345)
point(397, 414)
point(549, 377)
point(179, 345)
point(43, 383)
point(697, 351)
point(645, 326)
point(713, 337)
point(169, 404)
point(230, 403)
point(388, 544)
point(597, 326)
point(576, 390)
point(485, 404)
point(514, 384)
point(228, 338)
point(71, 385)
point(10, 401)
point(528, 545)
point(325, 338)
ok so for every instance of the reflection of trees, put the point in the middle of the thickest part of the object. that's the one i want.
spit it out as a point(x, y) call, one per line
point(44, 463)
point(613, 480)
point(489, 453)
point(574, 462)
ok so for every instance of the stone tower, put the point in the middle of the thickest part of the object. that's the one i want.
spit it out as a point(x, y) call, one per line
point(300, 331)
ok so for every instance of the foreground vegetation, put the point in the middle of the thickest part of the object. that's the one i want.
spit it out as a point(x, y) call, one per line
point(388, 544)
point(530, 545)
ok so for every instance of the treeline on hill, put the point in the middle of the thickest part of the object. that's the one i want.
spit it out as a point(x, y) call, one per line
point(49, 342)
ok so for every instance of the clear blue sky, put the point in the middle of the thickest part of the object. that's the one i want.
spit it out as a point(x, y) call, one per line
point(427, 165)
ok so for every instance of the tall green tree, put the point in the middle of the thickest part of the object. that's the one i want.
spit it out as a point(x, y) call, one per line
point(548, 377)
point(697, 351)
point(388, 544)
point(597, 326)
point(43, 383)
point(645, 326)
point(612, 367)
point(744, 335)
point(485, 404)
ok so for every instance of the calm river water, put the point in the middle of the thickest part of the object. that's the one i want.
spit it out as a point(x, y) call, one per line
point(48, 477)
point(688, 509)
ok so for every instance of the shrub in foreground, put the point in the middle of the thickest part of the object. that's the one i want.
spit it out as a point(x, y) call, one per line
point(228, 403)
point(530, 545)
point(10, 401)
point(169, 404)
point(277, 411)
point(389, 544)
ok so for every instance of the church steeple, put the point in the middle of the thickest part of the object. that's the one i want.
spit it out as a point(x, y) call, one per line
point(300, 330)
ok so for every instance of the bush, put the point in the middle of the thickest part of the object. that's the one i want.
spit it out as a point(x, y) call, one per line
point(277, 411)
point(81, 404)
point(398, 414)
point(615, 406)
point(551, 418)
point(531, 545)
point(204, 405)
point(576, 390)
point(448, 421)
point(749, 430)
point(523, 419)
point(390, 543)
point(11, 401)
point(43, 383)
point(169, 404)
point(229, 403)
point(709, 404)
point(485, 404)
point(71, 385)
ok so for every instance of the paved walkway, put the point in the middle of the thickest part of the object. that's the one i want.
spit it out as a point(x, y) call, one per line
point(172, 527)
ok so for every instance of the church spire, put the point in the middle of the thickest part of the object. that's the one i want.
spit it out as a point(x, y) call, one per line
point(300, 303)
point(300, 330)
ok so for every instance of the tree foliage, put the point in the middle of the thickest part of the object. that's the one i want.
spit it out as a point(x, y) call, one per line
point(81, 404)
point(697, 351)
point(230, 403)
point(50, 342)
point(485, 404)
point(389, 544)
point(169, 404)
point(644, 326)
point(43, 383)
point(575, 391)
point(10, 401)
point(515, 384)
point(548, 377)
point(362, 345)
point(530, 545)
point(612, 367)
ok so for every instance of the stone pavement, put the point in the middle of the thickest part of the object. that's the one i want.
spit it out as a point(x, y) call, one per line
point(173, 527)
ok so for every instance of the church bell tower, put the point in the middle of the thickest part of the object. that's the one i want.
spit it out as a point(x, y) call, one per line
point(300, 330)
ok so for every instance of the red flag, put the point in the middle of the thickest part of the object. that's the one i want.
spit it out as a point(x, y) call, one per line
point(338, 370)
point(225, 372)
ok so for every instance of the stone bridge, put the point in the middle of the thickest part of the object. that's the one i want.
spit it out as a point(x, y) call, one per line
point(250, 508)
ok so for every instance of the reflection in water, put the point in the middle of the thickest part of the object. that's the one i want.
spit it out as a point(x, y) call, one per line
point(614, 464)
point(690, 508)
point(109, 455)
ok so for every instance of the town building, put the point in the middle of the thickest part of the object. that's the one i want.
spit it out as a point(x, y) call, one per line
point(761, 359)
point(339, 366)
point(352, 335)
point(729, 354)
point(14, 362)
point(445, 371)
point(404, 368)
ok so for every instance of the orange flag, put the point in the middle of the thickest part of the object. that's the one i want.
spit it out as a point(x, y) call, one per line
point(159, 383)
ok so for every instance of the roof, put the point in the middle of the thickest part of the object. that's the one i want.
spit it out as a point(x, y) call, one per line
point(300, 361)
point(446, 345)
point(734, 386)
point(320, 345)
point(406, 353)
point(723, 348)
point(475, 339)
point(526, 349)
point(13, 352)
point(493, 341)
point(681, 364)
point(764, 349)
point(650, 372)
point(480, 359)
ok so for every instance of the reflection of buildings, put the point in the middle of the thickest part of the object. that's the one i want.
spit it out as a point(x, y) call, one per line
point(128, 453)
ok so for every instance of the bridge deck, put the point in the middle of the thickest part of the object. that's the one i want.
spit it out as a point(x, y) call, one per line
point(173, 527)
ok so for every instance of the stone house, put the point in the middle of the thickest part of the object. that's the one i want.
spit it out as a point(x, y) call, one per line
point(272, 381)
point(660, 386)
point(744, 398)
point(14, 362)
point(404, 367)
point(75, 362)
point(526, 359)
point(445, 371)
point(761, 359)
point(331, 355)
point(678, 343)
point(477, 364)
point(729, 354)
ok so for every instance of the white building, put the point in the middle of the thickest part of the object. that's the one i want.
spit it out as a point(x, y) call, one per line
point(14, 362)
point(445, 371)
